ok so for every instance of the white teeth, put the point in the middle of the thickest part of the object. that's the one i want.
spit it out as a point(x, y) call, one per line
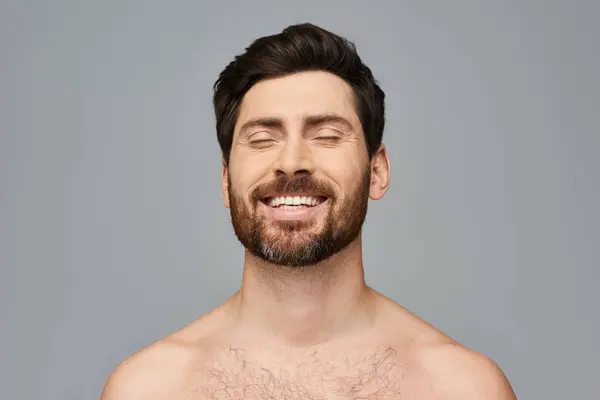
point(292, 202)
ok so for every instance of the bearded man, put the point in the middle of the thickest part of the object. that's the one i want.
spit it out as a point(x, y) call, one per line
point(300, 120)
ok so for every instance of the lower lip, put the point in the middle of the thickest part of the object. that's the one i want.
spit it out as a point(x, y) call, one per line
point(298, 214)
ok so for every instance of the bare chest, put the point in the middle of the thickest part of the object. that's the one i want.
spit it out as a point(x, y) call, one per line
point(375, 375)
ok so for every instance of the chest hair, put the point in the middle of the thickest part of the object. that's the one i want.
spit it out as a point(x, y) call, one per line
point(376, 374)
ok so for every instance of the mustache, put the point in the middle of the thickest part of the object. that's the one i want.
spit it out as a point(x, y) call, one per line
point(283, 184)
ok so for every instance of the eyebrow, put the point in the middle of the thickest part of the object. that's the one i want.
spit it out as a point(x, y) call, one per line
point(309, 122)
point(265, 122)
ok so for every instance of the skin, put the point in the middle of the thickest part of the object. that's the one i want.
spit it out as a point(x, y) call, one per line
point(311, 332)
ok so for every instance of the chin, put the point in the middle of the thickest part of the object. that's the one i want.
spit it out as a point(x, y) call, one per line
point(290, 241)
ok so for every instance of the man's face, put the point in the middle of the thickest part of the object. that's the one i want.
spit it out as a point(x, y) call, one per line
point(299, 177)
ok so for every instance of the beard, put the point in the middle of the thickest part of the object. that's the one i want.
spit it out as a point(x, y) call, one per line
point(295, 243)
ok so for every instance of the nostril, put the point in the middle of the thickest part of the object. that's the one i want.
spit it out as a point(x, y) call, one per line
point(301, 173)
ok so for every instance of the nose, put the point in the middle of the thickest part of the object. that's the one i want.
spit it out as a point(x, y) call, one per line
point(295, 159)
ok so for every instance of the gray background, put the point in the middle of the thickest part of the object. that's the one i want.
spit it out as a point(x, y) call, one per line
point(112, 228)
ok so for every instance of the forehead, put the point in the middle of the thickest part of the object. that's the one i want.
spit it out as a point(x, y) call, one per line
point(298, 95)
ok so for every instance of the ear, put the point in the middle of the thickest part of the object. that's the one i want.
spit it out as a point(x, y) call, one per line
point(380, 173)
point(225, 182)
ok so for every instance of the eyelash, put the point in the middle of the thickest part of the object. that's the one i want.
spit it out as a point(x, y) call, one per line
point(261, 142)
point(329, 138)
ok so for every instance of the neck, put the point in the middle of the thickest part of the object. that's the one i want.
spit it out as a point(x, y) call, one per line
point(305, 305)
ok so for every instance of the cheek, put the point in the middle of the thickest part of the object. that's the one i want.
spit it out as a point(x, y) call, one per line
point(236, 182)
point(348, 153)
point(241, 183)
point(344, 167)
point(248, 169)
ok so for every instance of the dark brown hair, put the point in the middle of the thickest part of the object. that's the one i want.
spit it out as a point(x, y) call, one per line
point(298, 48)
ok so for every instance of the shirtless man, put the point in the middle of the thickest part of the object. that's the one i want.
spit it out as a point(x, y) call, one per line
point(300, 121)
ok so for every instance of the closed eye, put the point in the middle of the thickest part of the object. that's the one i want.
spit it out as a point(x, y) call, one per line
point(328, 134)
point(261, 142)
point(328, 138)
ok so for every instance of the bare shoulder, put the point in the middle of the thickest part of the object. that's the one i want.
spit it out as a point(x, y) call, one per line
point(460, 373)
point(162, 370)
point(155, 372)
point(451, 370)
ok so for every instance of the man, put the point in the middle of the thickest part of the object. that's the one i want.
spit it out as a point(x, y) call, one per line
point(300, 121)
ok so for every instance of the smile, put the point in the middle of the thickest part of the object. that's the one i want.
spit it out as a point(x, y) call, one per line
point(294, 202)
point(293, 207)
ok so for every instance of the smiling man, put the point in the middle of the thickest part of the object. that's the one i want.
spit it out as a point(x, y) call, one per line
point(300, 120)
